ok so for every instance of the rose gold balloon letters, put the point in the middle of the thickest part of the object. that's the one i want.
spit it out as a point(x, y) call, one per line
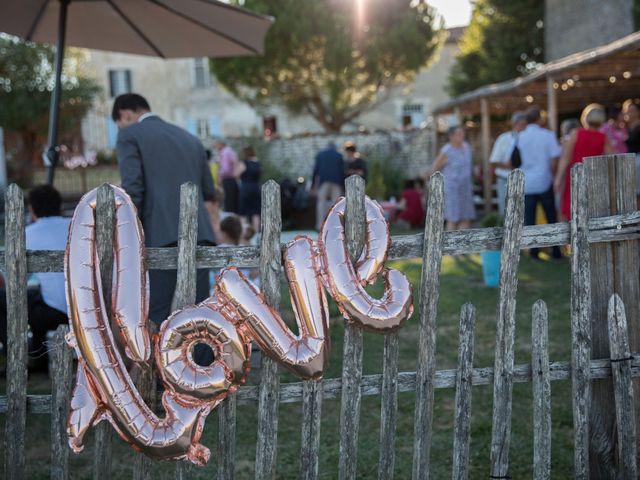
point(228, 321)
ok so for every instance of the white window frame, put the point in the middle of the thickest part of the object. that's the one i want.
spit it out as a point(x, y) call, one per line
point(201, 74)
point(120, 81)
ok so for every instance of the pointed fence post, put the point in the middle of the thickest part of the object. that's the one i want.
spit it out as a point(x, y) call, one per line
point(16, 280)
point(268, 398)
point(352, 347)
point(105, 223)
point(185, 288)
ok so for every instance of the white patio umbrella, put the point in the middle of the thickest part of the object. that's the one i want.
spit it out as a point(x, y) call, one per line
point(162, 28)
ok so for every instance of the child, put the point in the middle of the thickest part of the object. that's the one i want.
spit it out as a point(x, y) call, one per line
point(229, 234)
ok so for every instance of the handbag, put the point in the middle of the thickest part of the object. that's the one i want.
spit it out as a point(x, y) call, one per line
point(516, 158)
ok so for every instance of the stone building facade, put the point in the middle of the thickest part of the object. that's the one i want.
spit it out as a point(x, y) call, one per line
point(183, 92)
point(575, 25)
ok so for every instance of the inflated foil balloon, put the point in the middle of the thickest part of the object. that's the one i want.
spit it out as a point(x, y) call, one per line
point(228, 321)
point(306, 354)
point(104, 388)
point(346, 282)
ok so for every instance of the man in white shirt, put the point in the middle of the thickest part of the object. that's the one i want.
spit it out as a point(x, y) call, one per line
point(539, 149)
point(47, 306)
point(501, 156)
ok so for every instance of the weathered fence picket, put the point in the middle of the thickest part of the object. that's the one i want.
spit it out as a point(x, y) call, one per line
point(227, 438)
point(389, 406)
point(310, 439)
point(185, 293)
point(145, 382)
point(61, 385)
point(580, 322)
point(105, 213)
point(541, 392)
point(187, 241)
point(352, 346)
point(16, 278)
point(267, 442)
point(462, 412)
point(505, 327)
point(429, 295)
point(612, 232)
point(622, 388)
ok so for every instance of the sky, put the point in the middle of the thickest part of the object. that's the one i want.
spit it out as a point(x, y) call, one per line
point(455, 12)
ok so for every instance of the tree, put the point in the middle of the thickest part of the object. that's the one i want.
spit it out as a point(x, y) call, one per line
point(504, 39)
point(320, 59)
point(26, 82)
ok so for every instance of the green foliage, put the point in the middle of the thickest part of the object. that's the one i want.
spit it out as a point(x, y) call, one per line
point(107, 157)
point(384, 179)
point(491, 220)
point(636, 14)
point(375, 183)
point(505, 39)
point(320, 62)
point(26, 81)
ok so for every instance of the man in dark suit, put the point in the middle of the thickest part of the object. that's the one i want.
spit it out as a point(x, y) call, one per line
point(155, 158)
point(327, 180)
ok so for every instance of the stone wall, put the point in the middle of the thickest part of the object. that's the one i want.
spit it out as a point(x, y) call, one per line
point(575, 25)
point(410, 151)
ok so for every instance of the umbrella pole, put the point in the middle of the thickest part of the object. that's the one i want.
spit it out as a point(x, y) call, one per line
point(53, 153)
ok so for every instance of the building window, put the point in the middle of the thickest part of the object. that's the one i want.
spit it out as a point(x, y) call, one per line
point(412, 115)
point(409, 109)
point(269, 126)
point(119, 82)
point(202, 130)
point(201, 76)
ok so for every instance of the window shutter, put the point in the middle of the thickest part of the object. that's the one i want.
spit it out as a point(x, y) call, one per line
point(112, 83)
point(192, 127)
point(127, 81)
point(112, 133)
point(214, 127)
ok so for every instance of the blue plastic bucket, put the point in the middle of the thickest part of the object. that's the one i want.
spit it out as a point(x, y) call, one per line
point(491, 268)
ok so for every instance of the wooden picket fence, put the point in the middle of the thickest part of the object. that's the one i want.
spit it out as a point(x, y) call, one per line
point(604, 236)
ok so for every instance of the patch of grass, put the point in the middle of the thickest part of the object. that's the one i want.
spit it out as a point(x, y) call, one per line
point(461, 281)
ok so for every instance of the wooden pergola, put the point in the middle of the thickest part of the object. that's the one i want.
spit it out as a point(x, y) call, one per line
point(608, 75)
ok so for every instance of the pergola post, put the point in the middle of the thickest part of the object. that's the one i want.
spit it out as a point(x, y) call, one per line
point(552, 105)
point(487, 175)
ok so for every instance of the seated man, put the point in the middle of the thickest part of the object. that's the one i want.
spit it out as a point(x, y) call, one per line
point(47, 306)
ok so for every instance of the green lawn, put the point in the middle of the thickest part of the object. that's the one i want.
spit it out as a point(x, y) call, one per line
point(461, 281)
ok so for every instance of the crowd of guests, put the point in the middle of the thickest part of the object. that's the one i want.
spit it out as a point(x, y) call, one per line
point(155, 158)
point(238, 181)
point(545, 160)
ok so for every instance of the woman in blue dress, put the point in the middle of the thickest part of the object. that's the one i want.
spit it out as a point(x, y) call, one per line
point(454, 161)
point(250, 171)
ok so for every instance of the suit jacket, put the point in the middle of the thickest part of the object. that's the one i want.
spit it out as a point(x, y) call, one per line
point(329, 167)
point(155, 158)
